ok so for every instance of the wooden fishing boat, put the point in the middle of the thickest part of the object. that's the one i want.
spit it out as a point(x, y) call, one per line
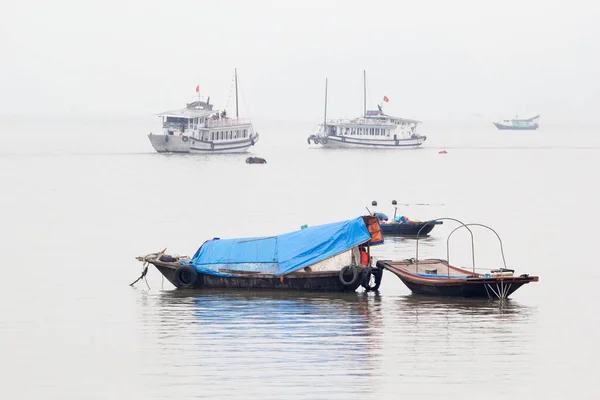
point(438, 277)
point(333, 257)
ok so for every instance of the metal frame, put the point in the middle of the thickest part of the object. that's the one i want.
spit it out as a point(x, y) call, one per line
point(447, 248)
point(483, 226)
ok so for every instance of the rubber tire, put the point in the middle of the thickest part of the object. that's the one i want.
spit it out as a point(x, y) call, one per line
point(365, 278)
point(378, 274)
point(184, 138)
point(355, 275)
point(186, 277)
point(324, 141)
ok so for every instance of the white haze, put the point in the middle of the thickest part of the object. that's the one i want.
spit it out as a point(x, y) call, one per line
point(433, 59)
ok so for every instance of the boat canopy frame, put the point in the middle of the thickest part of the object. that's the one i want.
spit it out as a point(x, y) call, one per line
point(462, 225)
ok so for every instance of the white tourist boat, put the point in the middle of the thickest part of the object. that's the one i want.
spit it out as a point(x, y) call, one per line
point(374, 129)
point(198, 128)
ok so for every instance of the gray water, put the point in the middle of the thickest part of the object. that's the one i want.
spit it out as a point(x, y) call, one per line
point(82, 197)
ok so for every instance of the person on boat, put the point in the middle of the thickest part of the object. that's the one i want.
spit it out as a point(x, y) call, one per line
point(381, 217)
point(364, 256)
point(405, 220)
point(224, 114)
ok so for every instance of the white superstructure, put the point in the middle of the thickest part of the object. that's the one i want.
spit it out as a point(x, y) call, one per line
point(198, 128)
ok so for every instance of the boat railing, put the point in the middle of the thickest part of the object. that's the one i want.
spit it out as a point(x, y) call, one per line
point(433, 221)
point(224, 122)
point(359, 121)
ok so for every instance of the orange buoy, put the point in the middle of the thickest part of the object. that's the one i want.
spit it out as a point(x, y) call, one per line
point(443, 152)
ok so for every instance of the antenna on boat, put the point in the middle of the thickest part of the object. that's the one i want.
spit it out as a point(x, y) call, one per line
point(395, 204)
point(325, 117)
point(364, 94)
point(236, 95)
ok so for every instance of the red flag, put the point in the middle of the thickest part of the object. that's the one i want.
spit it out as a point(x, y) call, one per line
point(386, 99)
point(198, 89)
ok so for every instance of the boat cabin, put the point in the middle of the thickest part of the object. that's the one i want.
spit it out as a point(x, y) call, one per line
point(199, 121)
point(374, 124)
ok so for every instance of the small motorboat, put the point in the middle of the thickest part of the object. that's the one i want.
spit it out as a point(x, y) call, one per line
point(333, 257)
point(437, 277)
point(401, 225)
point(409, 228)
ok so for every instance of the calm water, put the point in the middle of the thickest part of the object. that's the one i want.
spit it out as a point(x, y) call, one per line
point(80, 199)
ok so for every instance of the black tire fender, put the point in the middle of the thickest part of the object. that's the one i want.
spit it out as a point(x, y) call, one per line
point(186, 277)
point(378, 275)
point(365, 278)
point(184, 138)
point(324, 141)
point(343, 271)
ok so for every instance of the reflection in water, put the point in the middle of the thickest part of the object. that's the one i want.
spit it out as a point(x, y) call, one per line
point(300, 339)
point(312, 345)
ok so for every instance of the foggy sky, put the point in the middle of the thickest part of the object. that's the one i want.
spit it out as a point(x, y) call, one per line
point(432, 59)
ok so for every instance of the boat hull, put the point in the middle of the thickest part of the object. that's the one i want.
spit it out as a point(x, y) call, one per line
point(410, 229)
point(333, 141)
point(185, 144)
point(323, 281)
point(516, 128)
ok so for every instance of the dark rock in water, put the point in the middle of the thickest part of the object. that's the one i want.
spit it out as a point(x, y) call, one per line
point(255, 160)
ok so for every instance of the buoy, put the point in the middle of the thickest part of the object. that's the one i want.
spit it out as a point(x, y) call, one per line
point(443, 152)
point(394, 202)
point(374, 203)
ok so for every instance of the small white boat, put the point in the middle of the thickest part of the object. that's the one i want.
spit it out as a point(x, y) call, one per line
point(198, 128)
point(519, 124)
point(374, 129)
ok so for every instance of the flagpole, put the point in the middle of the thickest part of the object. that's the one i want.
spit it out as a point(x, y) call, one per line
point(325, 117)
point(236, 95)
point(365, 93)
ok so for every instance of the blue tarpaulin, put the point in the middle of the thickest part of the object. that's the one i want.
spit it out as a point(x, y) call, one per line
point(282, 254)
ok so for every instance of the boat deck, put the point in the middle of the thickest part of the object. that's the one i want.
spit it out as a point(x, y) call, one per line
point(431, 269)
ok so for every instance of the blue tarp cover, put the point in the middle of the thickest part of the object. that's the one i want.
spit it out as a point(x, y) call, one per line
point(282, 254)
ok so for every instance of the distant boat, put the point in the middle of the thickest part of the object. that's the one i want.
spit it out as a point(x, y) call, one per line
point(374, 129)
point(519, 123)
point(198, 128)
point(401, 225)
point(333, 257)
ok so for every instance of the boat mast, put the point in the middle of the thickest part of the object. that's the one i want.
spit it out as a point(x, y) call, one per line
point(236, 95)
point(365, 94)
point(325, 117)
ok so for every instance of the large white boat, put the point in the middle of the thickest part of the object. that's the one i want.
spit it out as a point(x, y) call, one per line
point(374, 129)
point(198, 128)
